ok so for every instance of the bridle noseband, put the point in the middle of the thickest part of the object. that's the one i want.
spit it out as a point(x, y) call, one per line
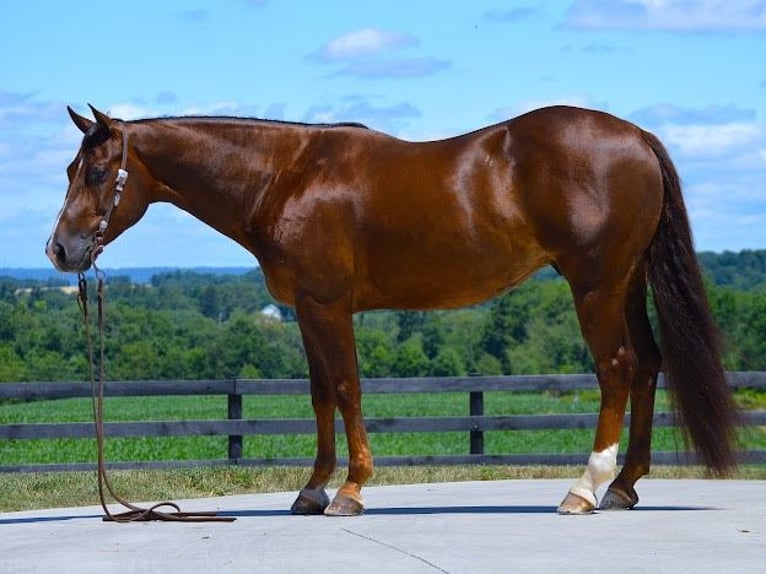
point(119, 185)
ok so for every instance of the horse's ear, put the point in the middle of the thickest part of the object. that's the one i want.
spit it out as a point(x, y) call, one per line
point(101, 118)
point(83, 124)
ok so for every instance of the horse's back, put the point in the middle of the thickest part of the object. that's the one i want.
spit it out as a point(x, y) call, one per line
point(453, 222)
point(490, 207)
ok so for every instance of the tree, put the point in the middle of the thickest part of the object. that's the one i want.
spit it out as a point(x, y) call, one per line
point(409, 323)
point(12, 367)
point(410, 360)
point(170, 329)
point(208, 303)
point(139, 360)
point(534, 329)
point(448, 364)
point(375, 352)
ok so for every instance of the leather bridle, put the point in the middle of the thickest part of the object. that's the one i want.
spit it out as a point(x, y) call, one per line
point(119, 186)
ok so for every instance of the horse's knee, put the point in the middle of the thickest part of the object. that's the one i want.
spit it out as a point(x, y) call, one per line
point(348, 395)
point(322, 397)
point(619, 366)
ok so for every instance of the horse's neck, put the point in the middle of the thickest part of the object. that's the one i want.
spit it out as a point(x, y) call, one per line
point(184, 154)
point(216, 170)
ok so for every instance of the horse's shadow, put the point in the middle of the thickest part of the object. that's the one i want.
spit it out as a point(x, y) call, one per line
point(462, 510)
point(383, 511)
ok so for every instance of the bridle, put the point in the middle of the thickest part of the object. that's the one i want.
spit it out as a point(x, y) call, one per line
point(134, 513)
point(119, 186)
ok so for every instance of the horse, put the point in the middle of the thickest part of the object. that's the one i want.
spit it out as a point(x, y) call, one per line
point(343, 219)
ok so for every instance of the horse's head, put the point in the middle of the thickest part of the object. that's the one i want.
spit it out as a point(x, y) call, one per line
point(91, 217)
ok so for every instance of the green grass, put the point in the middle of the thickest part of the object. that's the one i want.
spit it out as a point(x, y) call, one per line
point(41, 490)
point(67, 489)
point(276, 446)
point(13, 452)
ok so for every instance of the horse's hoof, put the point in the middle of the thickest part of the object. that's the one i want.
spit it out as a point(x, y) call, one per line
point(311, 501)
point(617, 500)
point(576, 504)
point(344, 506)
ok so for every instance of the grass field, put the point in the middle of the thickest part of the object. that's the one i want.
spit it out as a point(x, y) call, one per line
point(180, 408)
point(41, 490)
point(14, 452)
point(67, 489)
point(50, 490)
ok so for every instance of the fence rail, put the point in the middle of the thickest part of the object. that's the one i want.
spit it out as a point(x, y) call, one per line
point(236, 428)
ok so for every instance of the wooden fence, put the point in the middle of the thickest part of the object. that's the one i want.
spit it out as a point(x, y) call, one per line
point(474, 423)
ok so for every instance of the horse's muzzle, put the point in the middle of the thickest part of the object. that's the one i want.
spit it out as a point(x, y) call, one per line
point(73, 257)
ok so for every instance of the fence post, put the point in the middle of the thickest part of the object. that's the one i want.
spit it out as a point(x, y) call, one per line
point(476, 409)
point(235, 412)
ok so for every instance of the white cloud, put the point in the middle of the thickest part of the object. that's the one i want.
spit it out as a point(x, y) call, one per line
point(729, 134)
point(363, 42)
point(671, 15)
point(388, 118)
point(37, 141)
point(712, 141)
point(668, 113)
point(129, 111)
point(367, 54)
point(726, 212)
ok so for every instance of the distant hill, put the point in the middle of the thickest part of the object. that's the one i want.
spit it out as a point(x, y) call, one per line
point(50, 276)
point(744, 270)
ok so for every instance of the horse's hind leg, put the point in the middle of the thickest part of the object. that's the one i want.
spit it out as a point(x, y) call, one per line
point(328, 337)
point(621, 493)
point(601, 312)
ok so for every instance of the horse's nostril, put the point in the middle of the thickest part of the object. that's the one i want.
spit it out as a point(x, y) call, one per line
point(60, 252)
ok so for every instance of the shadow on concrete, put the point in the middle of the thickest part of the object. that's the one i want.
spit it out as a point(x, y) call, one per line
point(391, 511)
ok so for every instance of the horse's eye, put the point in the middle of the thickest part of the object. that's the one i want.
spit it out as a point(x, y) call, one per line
point(95, 176)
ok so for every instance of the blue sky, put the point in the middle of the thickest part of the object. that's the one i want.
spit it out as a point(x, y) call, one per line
point(692, 71)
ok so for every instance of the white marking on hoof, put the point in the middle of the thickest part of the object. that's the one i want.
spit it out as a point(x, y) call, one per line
point(601, 467)
point(575, 504)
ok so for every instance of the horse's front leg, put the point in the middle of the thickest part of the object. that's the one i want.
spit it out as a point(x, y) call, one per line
point(313, 498)
point(328, 337)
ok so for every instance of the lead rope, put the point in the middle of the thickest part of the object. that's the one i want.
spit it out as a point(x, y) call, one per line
point(134, 513)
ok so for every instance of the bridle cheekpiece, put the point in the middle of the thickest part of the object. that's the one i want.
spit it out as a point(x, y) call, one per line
point(119, 185)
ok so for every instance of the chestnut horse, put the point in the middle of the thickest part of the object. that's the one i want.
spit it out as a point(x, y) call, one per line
point(345, 219)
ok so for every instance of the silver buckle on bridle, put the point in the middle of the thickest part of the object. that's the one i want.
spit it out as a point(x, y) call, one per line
point(119, 185)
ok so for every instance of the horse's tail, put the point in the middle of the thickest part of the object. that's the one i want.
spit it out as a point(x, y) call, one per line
point(690, 342)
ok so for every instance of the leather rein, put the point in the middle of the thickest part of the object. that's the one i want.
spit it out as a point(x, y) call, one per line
point(164, 511)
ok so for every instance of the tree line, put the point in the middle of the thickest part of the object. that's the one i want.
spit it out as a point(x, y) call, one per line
point(191, 325)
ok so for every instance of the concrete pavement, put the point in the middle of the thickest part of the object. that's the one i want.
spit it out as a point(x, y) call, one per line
point(500, 526)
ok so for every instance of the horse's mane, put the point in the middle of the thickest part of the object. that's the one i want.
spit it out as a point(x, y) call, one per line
point(253, 120)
